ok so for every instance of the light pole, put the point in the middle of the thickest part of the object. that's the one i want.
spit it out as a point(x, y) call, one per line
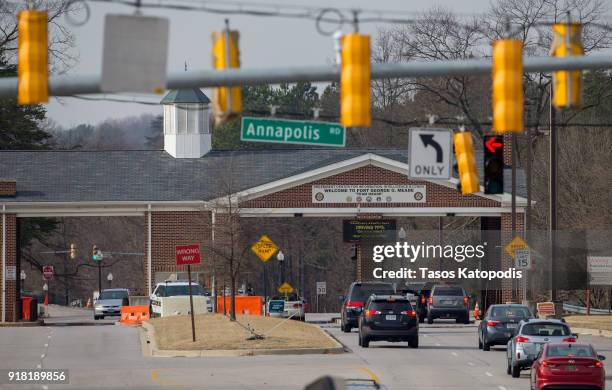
point(22, 276)
point(281, 260)
point(401, 234)
point(109, 277)
point(46, 290)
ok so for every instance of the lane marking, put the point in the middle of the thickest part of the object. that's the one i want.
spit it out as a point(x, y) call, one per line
point(46, 345)
point(42, 356)
point(39, 366)
point(371, 374)
point(488, 373)
point(501, 388)
point(454, 353)
point(157, 379)
point(438, 344)
point(470, 364)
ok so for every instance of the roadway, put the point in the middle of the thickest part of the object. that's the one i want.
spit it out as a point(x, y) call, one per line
point(111, 357)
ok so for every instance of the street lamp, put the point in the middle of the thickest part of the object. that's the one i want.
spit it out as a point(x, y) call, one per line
point(46, 290)
point(401, 234)
point(109, 277)
point(281, 260)
point(22, 276)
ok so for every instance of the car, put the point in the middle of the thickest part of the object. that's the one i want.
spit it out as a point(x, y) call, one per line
point(499, 324)
point(175, 289)
point(355, 299)
point(448, 301)
point(110, 301)
point(569, 365)
point(530, 337)
point(388, 318)
point(294, 306)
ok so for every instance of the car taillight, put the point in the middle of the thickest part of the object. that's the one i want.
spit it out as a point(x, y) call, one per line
point(492, 323)
point(547, 363)
point(598, 363)
point(521, 339)
point(297, 305)
point(354, 304)
point(423, 299)
point(431, 300)
point(370, 313)
point(465, 301)
point(569, 340)
point(409, 313)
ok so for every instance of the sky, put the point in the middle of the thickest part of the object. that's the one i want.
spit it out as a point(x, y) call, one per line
point(264, 42)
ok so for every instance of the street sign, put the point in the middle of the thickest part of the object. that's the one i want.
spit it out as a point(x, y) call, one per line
point(600, 270)
point(276, 306)
point(135, 53)
point(522, 259)
point(11, 272)
point(321, 288)
point(517, 243)
point(286, 131)
point(188, 254)
point(285, 288)
point(430, 153)
point(47, 271)
point(546, 308)
point(264, 248)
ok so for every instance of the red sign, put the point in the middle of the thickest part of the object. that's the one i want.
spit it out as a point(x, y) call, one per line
point(188, 254)
point(546, 308)
point(47, 271)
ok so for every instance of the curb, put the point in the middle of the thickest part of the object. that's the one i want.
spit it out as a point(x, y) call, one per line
point(147, 337)
point(21, 324)
point(592, 332)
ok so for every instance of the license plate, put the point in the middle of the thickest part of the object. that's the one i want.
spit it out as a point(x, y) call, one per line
point(390, 318)
point(447, 302)
point(511, 326)
point(570, 368)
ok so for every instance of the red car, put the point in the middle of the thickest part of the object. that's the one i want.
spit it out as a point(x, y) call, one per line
point(569, 365)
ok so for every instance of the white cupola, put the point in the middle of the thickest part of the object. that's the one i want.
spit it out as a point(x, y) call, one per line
point(187, 123)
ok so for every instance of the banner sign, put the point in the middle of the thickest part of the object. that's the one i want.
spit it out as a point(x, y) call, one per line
point(355, 230)
point(352, 193)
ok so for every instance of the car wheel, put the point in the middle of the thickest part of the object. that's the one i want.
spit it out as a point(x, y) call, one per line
point(486, 346)
point(479, 342)
point(516, 371)
point(466, 319)
point(359, 340)
point(346, 328)
point(96, 318)
point(458, 320)
point(508, 368)
point(421, 320)
point(430, 320)
point(414, 342)
point(365, 342)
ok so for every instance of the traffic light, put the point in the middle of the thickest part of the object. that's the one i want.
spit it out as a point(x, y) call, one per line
point(355, 95)
point(567, 85)
point(493, 164)
point(508, 86)
point(72, 251)
point(32, 66)
point(94, 253)
point(227, 101)
point(466, 163)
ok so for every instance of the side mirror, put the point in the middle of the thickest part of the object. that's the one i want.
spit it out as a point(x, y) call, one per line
point(575, 335)
point(601, 357)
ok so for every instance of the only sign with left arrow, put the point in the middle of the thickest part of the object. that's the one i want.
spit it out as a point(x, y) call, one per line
point(430, 153)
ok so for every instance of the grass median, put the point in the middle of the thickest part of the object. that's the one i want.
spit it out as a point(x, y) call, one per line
point(217, 332)
point(603, 322)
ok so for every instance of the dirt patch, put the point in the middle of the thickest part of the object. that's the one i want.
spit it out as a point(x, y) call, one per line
point(218, 332)
point(603, 322)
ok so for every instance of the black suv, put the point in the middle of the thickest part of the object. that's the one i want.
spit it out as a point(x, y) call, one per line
point(388, 318)
point(355, 299)
point(448, 301)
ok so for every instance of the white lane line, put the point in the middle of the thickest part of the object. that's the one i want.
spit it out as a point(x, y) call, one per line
point(471, 364)
point(425, 335)
point(46, 345)
point(501, 388)
point(39, 366)
point(454, 353)
point(45, 387)
point(42, 356)
point(49, 336)
point(488, 373)
point(438, 344)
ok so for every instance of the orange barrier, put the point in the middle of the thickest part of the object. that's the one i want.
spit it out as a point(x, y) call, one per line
point(476, 311)
point(134, 315)
point(252, 305)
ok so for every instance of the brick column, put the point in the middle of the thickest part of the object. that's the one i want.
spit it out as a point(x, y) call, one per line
point(509, 289)
point(11, 261)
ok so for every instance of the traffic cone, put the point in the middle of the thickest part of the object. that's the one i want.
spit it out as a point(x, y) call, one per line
point(46, 299)
point(88, 306)
point(476, 311)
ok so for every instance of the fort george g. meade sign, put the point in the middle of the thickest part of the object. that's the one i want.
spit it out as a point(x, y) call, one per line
point(353, 193)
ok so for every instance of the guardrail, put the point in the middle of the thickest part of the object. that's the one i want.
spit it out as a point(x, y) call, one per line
point(582, 310)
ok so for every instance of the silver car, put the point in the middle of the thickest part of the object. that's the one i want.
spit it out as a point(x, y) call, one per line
point(110, 301)
point(524, 347)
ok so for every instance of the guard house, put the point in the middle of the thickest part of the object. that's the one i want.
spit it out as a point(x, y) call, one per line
point(171, 189)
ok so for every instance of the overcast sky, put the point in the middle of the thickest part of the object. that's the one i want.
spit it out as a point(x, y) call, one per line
point(264, 42)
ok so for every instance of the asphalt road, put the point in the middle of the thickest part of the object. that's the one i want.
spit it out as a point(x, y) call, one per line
point(111, 357)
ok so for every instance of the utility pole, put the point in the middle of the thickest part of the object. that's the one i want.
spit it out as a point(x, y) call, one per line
point(553, 197)
point(100, 276)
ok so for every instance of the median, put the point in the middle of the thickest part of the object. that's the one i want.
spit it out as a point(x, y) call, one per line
point(216, 335)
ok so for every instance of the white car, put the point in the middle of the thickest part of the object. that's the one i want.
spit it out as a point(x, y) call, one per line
point(295, 306)
point(172, 298)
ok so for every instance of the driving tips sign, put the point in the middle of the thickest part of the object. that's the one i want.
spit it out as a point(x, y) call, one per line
point(430, 153)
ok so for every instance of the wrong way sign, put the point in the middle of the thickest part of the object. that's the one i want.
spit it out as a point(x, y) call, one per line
point(429, 153)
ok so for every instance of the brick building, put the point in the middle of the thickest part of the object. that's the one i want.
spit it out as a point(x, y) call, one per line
point(177, 190)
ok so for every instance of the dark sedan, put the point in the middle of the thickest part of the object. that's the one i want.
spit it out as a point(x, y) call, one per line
point(499, 324)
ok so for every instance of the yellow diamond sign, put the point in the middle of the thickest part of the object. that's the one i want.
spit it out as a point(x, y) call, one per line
point(264, 248)
point(517, 243)
point(285, 288)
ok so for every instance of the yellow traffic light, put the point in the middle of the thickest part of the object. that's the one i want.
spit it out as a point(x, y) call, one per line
point(355, 95)
point(567, 85)
point(227, 101)
point(508, 86)
point(466, 163)
point(72, 251)
point(32, 66)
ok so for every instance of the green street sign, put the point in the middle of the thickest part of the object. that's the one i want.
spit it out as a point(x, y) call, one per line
point(286, 131)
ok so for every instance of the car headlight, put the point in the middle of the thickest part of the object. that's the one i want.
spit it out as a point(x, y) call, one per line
point(99, 307)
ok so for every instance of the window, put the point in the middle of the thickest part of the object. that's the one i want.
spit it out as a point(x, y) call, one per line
point(449, 291)
point(545, 329)
point(386, 305)
point(363, 292)
point(510, 312)
point(117, 294)
point(172, 291)
point(570, 350)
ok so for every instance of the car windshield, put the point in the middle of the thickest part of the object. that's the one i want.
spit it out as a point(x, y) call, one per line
point(449, 291)
point(291, 297)
point(545, 329)
point(390, 305)
point(363, 292)
point(113, 295)
point(510, 312)
point(570, 350)
point(172, 291)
